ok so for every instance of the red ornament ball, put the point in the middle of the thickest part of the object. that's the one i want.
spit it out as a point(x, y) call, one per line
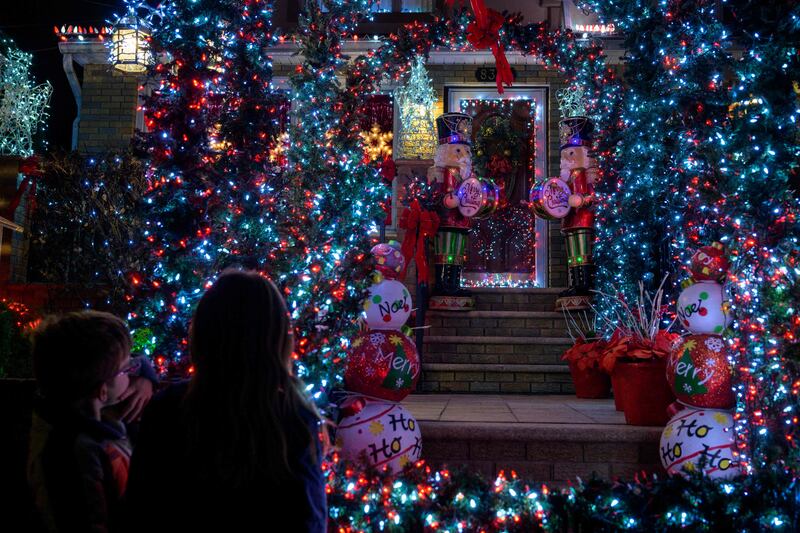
point(388, 259)
point(383, 364)
point(710, 263)
point(699, 372)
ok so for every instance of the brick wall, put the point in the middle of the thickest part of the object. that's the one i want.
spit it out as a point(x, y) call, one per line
point(555, 458)
point(108, 109)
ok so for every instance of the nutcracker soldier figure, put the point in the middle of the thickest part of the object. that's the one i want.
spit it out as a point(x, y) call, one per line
point(452, 164)
point(579, 171)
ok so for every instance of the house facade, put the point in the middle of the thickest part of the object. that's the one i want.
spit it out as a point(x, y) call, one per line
point(521, 125)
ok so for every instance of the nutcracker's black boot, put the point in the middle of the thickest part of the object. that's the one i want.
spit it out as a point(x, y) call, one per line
point(585, 280)
point(572, 290)
point(440, 283)
point(449, 285)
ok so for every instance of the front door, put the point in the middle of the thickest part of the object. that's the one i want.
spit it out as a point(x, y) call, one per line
point(508, 145)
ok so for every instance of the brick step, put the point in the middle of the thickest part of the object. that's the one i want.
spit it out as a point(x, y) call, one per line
point(496, 299)
point(496, 323)
point(532, 299)
point(545, 439)
point(506, 350)
point(496, 378)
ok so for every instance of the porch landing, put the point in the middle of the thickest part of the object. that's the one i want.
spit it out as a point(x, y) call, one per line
point(548, 439)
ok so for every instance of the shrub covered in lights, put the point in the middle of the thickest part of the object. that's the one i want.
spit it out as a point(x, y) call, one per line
point(426, 499)
point(708, 154)
point(86, 220)
point(217, 199)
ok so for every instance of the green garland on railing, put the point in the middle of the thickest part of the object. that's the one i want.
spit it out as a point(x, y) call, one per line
point(426, 499)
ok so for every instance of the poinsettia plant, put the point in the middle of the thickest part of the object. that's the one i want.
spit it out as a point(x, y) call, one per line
point(636, 348)
point(638, 332)
point(586, 354)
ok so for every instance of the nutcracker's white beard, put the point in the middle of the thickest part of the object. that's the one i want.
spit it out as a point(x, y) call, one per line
point(454, 155)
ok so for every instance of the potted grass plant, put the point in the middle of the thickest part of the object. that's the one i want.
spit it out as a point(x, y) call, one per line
point(636, 354)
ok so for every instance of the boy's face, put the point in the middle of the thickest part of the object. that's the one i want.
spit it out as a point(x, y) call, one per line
point(118, 384)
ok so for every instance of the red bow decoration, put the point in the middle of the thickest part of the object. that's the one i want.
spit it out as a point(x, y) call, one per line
point(27, 184)
point(419, 224)
point(484, 32)
point(388, 171)
point(30, 168)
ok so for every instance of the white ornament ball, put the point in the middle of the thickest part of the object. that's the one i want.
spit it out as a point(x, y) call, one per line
point(699, 439)
point(388, 305)
point(383, 433)
point(702, 308)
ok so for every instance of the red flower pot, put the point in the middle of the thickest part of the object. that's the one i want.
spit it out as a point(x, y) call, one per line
point(647, 394)
point(589, 382)
point(619, 390)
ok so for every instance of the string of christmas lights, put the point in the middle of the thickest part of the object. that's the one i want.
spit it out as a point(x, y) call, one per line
point(216, 199)
point(429, 499)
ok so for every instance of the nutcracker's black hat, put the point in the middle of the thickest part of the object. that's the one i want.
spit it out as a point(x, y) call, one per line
point(454, 128)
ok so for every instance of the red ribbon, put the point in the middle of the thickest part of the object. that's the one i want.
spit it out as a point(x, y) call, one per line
point(484, 32)
point(388, 171)
point(419, 224)
point(31, 169)
point(15, 201)
point(30, 166)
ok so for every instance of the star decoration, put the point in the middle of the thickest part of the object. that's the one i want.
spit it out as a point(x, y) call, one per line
point(377, 143)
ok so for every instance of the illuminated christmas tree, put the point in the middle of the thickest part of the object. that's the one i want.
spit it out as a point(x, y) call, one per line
point(331, 200)
point(213, 192)
point(674, 106)
point(753, 208)
point(709, 154)
point(220, 197)
point(417, 136)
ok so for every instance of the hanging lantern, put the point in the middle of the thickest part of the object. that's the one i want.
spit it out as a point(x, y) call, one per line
point(130, 45)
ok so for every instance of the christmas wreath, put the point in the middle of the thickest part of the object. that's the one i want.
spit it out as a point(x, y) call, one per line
point(496, 151)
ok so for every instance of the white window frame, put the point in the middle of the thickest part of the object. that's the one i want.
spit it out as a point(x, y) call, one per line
point(397, 6)
point(540, 94)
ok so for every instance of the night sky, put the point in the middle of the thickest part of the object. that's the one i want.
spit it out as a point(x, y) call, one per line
point(30, 24)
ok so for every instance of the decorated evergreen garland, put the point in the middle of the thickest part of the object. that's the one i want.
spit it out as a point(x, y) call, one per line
point(497, 148)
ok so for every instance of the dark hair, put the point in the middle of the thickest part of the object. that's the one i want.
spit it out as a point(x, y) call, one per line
point(244, 408)
point(74, 354)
